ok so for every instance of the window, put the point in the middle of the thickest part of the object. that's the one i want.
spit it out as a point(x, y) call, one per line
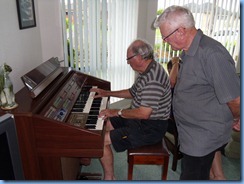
point(219, 19)
point(96, 35)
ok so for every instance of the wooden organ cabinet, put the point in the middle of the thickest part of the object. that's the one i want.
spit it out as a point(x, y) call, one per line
point(57, 121)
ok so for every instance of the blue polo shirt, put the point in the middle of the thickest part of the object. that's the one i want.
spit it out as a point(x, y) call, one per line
point(207, 80)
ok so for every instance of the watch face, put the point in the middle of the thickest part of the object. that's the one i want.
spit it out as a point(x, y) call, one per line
point(120, 112)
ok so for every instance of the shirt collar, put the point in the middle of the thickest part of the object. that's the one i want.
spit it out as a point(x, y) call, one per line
point(195, 44)
point(149, 67)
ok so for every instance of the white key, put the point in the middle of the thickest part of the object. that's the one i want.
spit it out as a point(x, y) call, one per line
point(89, 101)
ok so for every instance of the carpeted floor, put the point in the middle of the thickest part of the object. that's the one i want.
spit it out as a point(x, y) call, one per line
point(231, 167)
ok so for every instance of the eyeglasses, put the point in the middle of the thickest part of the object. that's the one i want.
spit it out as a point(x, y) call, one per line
point(170, 34)
point(127, 59)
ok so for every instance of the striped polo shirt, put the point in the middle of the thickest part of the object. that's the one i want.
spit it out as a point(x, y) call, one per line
point(152, 89)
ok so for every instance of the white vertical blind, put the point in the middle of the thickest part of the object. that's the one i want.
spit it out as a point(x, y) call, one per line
point(122, 28)
point(63, 15)
point(104, 40)
point(70, 49)
point(75, 35)
point(98, 34)
point(81, 39)
point(219, 19)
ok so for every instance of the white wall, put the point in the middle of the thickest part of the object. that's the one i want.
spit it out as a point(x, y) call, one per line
point(146, 17)
point(25, 49)
point(21, 49)
point(50, 29)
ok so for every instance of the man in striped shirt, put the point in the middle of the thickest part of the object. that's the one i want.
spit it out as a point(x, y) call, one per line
point(147, 120)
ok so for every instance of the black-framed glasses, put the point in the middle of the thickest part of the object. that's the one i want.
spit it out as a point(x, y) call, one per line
point(170, 34)
point(127, 59)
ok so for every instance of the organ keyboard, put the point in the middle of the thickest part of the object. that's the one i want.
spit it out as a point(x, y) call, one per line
point(57, 121)
point(86, 110)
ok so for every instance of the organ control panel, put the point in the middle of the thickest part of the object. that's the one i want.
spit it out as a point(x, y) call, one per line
point(85, 110)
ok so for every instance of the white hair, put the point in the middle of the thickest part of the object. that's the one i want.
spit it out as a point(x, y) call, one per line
point(176, 16)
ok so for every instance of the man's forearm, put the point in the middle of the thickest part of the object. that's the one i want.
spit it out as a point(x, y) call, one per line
point(120, 94)
point(234, 106)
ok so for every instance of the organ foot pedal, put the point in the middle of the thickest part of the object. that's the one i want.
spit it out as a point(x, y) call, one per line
point(90, 176)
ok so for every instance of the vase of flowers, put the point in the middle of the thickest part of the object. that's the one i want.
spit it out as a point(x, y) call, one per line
point(6, 88)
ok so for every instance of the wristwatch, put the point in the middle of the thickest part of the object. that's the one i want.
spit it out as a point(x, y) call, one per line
point(120, 112)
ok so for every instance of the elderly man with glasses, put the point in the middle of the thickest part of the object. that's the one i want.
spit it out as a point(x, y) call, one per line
point(206, 98)
point(146, 121)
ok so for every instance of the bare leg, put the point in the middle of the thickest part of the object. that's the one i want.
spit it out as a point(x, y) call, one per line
point(216, 172)
point(107, 159)
point(211, 175)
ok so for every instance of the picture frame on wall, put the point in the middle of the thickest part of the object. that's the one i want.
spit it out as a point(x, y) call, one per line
point(26, 13)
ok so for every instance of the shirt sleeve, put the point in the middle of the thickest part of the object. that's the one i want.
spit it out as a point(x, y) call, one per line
point(221, 73)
